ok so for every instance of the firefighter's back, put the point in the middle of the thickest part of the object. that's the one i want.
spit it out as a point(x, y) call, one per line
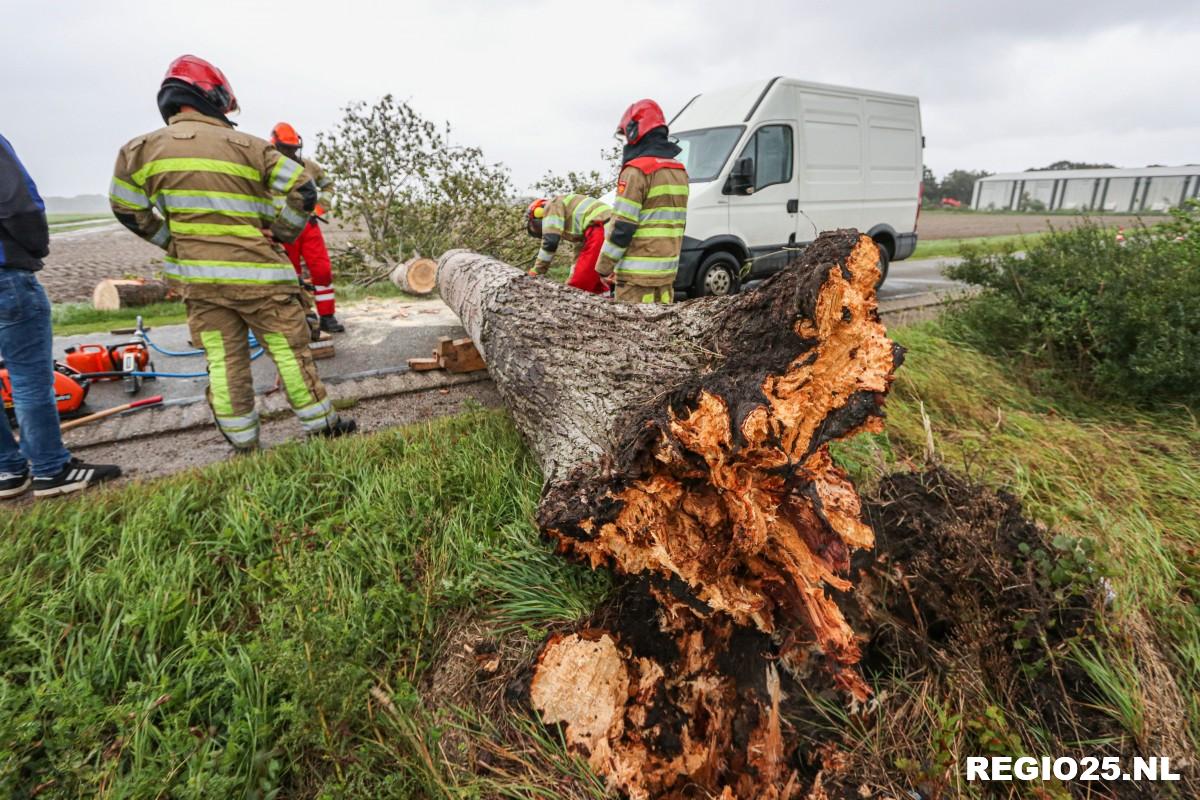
point(209, 182)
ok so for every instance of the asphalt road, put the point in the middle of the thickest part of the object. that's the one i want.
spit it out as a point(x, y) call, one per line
point(913, 278)
point(381, 336)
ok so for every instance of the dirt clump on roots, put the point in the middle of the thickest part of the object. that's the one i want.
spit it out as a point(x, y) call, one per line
point(970, 615)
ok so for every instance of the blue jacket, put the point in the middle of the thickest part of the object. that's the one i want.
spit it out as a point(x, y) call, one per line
point(24, 236)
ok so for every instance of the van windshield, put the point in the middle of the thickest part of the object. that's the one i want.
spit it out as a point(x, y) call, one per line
point(706, 150)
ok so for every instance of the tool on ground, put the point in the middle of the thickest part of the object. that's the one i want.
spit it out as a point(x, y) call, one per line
point(108, 412)
point(128, 362)
point(70, 391)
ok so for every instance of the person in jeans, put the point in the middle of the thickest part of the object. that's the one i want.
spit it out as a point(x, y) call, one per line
point(26, 339)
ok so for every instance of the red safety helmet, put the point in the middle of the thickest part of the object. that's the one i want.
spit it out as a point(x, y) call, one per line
point(284, 134)
point(206, 79)
point(639, 119)
point(534, 215)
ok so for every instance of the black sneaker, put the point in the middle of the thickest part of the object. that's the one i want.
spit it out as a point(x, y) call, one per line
point(74, 477)
point(330, 324)
point(14, 484)
point(342, 427)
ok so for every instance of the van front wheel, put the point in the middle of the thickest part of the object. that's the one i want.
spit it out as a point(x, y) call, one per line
point(885, 261)
point(718, 275)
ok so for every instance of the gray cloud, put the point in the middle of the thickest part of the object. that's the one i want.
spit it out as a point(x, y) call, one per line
point(539, 85)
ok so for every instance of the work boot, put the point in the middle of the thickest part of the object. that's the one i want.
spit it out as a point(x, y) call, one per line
point(330, 324)
point(340, 427)
point(14, 484)
point(73, 477)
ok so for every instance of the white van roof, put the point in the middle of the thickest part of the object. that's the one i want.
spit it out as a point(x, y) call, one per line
point(735, 104)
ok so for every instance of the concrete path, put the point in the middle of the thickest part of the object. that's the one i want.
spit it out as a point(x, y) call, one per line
point(370, 361)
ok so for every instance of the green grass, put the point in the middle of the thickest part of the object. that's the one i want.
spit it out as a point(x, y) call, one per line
point(219, 633)
point(1128, 479)
point(67, 219)
point(69, 319)
point(938, 248)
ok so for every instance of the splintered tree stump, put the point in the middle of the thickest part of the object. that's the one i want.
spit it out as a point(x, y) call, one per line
point(416, 276)
point(688, 446)
point(113, 295)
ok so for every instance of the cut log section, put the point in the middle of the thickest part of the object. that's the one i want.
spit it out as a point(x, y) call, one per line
point(416, 276)
point(688, 445)
point(322, 349)
point(112, 295)
point(452, 355)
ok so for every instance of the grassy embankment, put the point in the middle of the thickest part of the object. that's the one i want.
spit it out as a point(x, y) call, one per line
point(294, 624)
point(938, 248)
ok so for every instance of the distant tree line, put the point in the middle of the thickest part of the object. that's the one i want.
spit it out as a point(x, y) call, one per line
point(959, 184)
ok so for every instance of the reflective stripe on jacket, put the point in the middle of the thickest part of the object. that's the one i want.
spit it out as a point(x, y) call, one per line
point(645, 234)
point(203, 192)
point(568, 216)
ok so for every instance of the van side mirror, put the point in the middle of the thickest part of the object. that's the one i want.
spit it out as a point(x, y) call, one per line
point(741, 177)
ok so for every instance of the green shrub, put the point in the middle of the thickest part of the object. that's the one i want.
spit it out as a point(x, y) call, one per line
point(1122, 318)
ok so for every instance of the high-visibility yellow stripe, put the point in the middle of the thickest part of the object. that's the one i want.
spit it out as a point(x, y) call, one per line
point(196, 262)
point(658, 231)
point(218, 374)
point(668, 188)
point(215, 229)
point(161, 165)
point(206, 193)
point(289, 370)
point(127, 194)
point(125, 203)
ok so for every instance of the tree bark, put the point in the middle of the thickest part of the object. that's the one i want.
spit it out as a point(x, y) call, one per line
point(416, 276)
point(687, 445)
point(112, 295)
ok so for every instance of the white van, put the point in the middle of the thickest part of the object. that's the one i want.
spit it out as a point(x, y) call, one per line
point(774, 162)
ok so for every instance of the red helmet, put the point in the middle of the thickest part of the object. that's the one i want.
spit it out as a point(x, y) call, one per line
point(534, 215)
point(209, 81)
point(639, 119)
point(284, 134)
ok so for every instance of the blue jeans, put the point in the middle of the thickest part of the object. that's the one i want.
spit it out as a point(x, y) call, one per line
point(26, 345)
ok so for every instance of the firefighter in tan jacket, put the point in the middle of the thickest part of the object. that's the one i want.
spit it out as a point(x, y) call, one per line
point(212, 187)
point(645, 234)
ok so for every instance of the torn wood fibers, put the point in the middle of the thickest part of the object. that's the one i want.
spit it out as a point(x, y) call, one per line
point(705, 476)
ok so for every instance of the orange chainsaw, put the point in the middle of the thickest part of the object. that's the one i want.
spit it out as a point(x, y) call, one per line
point(113, 362)
point(70, 391)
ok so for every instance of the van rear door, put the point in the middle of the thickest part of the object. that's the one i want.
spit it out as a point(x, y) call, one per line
point(763, 213)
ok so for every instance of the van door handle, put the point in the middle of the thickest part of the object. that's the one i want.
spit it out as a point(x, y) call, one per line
point(793, 205)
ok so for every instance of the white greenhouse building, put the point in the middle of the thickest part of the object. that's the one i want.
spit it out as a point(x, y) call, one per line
point(1108, 190)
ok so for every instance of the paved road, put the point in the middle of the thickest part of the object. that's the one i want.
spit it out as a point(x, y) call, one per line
point(382, 335)
point(911, 278)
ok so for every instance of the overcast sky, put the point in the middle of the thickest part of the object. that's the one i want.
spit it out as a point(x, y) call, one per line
point(540, 85)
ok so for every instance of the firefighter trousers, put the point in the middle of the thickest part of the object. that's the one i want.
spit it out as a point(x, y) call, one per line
point(309, 250)
point(632, 293)
point(221, 328)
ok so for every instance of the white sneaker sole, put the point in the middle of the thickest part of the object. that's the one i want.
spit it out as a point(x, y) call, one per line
point(20, 490)
point(66, 488)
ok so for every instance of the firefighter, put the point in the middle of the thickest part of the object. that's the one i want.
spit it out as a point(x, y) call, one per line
point(578, 219)
point(309, 246)
point(213, 189)
point(645, 235)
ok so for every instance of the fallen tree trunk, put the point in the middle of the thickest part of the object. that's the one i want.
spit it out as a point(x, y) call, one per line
point(688, 445)
point(113, 295)
point(416, 276)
